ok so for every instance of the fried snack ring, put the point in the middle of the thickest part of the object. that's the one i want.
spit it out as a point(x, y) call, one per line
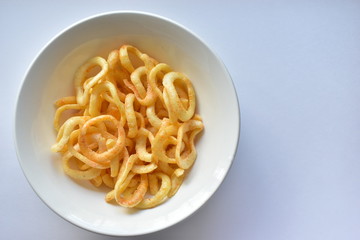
point(109, 154)
point(162, 140)
point(145, 97)
point(95, 102)
point(126, 167)
point(140, 146)
point(131, 128)
point(65, 100)
point(120, 187)
point(65, 131)
point(126, 62)
point(88, 174)
point(75, 151)
point(83, 85)
point(130, 116)
point(136, 197)
point(155, 117)
point(116, 73)
point(63, 108)
point(177, 178)
point(172, 100)
point(160, 68)
point(160, 196)
point(142, 168)
point(195, 126)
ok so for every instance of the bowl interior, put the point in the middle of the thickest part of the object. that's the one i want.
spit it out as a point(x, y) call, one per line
point(51, 77)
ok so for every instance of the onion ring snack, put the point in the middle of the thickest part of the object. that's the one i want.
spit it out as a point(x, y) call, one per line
point(131, 127)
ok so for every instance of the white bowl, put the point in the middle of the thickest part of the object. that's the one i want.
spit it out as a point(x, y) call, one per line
point(50, 77)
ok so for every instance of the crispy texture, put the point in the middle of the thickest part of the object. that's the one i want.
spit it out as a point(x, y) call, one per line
point(131, 127)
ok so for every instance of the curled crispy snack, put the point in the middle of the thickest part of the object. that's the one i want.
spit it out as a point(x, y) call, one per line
point(140, 146)
point(156, 73)
point(83, 85)
point(172, 100)
point(136, 197)
point(75, 151)
point(195, 127)
point(87, 174)
point(127, 63)
point(61, 109)
point(66, 129)
point(144, 97)
point(163, 139)
point(160, 196)
point(130, 127)
point(177, 178)
point(96, 100)
point(109, 154)
point(130, 116)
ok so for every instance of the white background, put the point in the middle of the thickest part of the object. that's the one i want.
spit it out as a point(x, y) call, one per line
point(296, 67)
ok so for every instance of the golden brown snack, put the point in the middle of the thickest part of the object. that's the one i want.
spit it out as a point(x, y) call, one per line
point(131, 127)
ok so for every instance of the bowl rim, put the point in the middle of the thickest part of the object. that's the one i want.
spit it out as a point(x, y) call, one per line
point(100, 15)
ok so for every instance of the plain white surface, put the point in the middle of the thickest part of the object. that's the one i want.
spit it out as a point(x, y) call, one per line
point(296, 69)
point(51, 76)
